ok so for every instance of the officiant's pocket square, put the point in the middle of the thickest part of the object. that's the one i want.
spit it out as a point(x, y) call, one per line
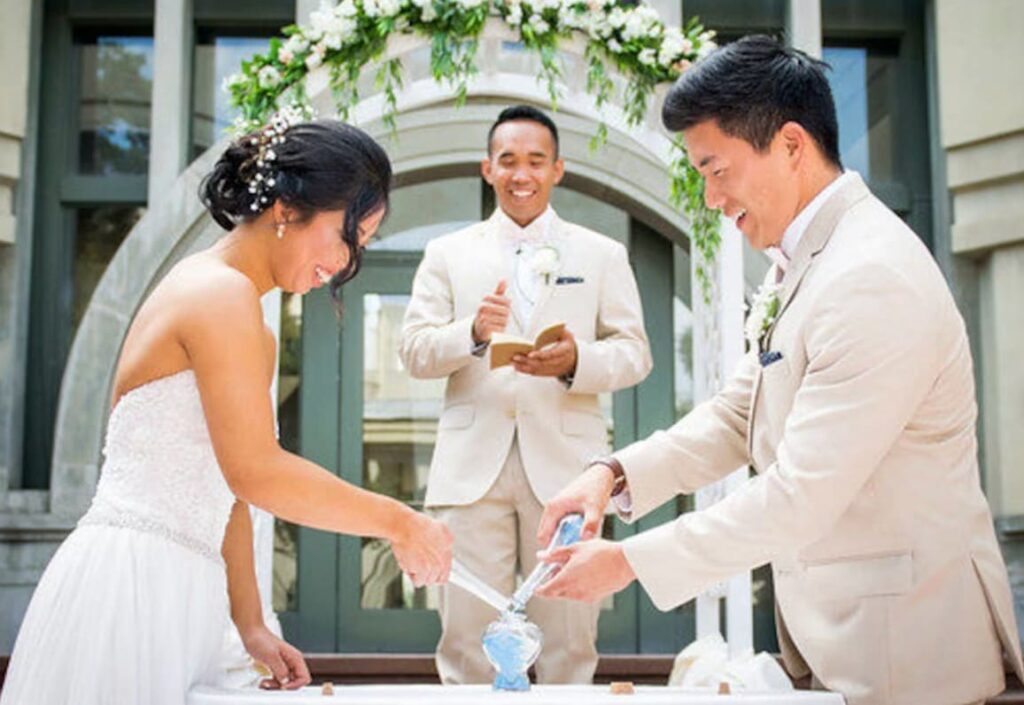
point(769, 357)
point(568, 280)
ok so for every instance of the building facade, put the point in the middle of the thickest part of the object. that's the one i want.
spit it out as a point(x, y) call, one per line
point(104, 103)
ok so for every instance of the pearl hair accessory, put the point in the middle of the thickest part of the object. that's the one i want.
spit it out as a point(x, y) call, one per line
point(264, 176)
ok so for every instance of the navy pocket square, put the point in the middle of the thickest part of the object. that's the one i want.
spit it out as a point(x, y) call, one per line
point(769, 357)
point(568, 280)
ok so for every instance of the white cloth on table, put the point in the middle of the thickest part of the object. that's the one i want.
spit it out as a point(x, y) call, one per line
point(705, 663)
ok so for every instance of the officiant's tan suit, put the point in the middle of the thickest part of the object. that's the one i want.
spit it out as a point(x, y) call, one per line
point(889, 583)
point(509, 440)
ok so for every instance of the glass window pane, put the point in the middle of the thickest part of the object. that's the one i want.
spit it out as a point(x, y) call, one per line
point(863, 81)
point(424, 211)
point(115, 89)
point(98, 234)
point(399, 429)
point(286, 534)
point(216, 58)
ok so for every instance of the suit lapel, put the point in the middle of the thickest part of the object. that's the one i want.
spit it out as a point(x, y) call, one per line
point(819, 230)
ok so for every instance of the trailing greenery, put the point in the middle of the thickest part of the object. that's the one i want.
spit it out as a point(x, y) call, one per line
point(630, 40)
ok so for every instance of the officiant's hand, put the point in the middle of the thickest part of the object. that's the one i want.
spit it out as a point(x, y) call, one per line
point(284, 660)
point(556, 360)
point(492, 314)
point(590, 571)
point(588, 495)
point(423, 549)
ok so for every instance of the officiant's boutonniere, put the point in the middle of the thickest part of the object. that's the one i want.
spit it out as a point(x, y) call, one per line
point(764, 308)
point(546, 262)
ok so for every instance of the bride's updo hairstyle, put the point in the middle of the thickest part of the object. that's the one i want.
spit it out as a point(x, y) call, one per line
point(308, 166)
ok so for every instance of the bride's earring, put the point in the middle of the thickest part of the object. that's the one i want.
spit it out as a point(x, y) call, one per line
point(280, 231)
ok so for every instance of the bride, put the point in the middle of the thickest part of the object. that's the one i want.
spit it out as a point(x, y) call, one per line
point(132, 607)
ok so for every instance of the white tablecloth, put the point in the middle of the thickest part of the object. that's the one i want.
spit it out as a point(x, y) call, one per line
point(483, 695)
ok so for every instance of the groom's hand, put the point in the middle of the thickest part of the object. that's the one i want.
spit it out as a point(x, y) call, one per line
point(590, 571)
point(588, 495)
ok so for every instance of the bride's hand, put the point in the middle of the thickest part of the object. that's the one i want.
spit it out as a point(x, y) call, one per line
point(284, 661)
point(423, 549)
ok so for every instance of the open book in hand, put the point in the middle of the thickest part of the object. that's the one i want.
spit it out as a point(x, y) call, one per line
point(504, 346)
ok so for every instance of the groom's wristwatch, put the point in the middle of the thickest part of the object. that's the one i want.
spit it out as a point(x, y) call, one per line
point(618, 473)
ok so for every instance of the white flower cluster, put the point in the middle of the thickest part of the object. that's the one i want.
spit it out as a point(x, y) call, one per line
point(382, 8)
point(615, 26)
point(428, 13)
point(330, 27)
point(641, 22)
point(673, 45)
point(763, 309)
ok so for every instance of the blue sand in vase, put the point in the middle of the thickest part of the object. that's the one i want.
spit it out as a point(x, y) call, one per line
point(512, 645)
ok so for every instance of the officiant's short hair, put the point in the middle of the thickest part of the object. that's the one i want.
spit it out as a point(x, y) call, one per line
point(523, 112)
point(751, 88)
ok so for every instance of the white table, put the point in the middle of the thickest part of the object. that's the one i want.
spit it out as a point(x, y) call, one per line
point(483, 695)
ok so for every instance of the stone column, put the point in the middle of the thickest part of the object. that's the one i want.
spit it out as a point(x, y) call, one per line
point(172, 98)
point(803, 26)
point(16, 47)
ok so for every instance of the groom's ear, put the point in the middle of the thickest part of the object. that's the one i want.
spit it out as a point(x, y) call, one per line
point(485, 170)
point(794, 140)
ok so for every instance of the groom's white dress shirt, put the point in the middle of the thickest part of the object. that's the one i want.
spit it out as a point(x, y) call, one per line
point(782, 254)
point(520, 244)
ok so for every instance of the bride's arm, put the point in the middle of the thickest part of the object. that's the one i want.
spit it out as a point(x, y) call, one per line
point(222, 334)
point(284, 660)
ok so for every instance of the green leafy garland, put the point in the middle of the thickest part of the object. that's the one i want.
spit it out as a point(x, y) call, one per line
point(348, 36)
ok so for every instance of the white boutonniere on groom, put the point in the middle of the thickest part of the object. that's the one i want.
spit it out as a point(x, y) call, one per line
point(546, 262)
point(764, 309)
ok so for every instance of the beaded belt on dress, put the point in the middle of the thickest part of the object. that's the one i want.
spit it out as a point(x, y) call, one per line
point(105, 515)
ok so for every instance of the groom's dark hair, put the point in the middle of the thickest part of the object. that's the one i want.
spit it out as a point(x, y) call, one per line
point(751, 88)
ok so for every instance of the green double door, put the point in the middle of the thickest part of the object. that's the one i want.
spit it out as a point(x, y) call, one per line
point(362, 416)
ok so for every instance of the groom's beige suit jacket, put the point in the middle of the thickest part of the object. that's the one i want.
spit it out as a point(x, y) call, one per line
point(558, 428)
point(889, 583)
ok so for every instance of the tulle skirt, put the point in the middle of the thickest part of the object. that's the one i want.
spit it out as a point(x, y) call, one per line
point(120, 616)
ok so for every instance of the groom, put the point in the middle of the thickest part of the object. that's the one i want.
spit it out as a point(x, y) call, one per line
point(855, 407)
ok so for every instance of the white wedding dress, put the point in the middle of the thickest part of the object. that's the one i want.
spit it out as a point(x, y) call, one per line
point(133, 607)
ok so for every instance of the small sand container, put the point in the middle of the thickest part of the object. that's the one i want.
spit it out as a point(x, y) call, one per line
point(327, 689)
point(622, 688)
point(724, 689)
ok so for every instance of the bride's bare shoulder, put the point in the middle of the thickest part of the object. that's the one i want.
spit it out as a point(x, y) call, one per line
point(209, 292)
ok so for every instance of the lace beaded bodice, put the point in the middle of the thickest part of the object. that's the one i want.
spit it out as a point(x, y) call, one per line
point(160, 473)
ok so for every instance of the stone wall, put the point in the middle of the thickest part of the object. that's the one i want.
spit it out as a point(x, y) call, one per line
point(981, 121)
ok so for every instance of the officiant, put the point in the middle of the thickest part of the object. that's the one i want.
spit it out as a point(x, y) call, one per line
point(510, 438)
